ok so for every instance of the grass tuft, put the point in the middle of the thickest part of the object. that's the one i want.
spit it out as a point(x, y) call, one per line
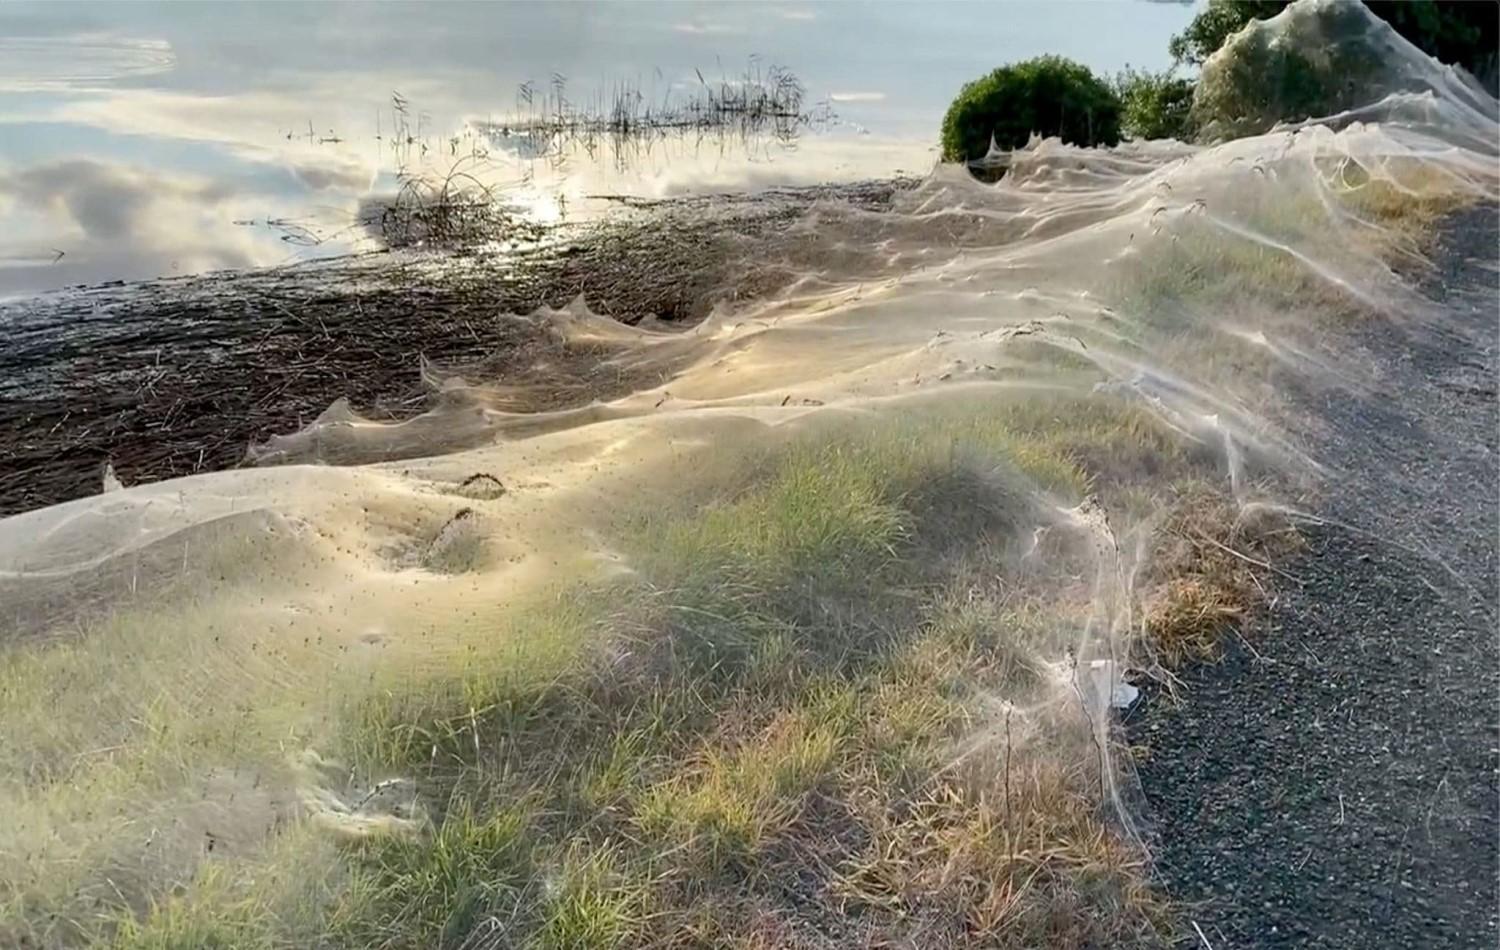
point(1212, 565)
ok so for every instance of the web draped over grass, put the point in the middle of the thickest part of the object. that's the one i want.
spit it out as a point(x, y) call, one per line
point(812, 644)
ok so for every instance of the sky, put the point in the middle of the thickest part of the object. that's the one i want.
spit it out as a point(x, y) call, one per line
point(143, 140)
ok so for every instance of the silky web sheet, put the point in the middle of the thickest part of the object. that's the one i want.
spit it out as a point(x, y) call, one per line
point(178, 660)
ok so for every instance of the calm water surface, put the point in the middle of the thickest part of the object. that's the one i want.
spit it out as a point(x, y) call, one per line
point(146, 140)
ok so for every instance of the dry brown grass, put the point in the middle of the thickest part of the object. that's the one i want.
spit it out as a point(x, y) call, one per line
point(1410, 195)
point(1013, 854)
point(1212, 566)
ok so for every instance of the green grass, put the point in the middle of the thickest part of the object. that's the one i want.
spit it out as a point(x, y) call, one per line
point(800, 678)
point(1354, 218)
point(731, 802)
point(435, 891)
point(589, 903)
point(774, 659)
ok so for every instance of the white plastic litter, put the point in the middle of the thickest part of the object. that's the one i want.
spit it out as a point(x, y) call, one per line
point(1104, 681)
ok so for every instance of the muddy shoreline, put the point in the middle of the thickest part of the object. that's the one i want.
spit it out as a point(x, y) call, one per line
point(177, 376)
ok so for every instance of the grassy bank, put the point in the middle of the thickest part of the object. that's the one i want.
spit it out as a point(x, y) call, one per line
point(830, 702)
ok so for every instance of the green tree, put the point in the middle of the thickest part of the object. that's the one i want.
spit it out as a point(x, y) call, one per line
point(1155, 105)
point(1466, 34)
point(1215, 24)
point(1048, 95)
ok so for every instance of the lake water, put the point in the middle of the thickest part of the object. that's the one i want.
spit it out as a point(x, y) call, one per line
point(147, 140)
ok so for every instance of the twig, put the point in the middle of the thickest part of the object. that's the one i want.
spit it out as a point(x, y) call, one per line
point(1253, 652)
point(1008, 821)
point(1249, 560)
point(1206, 944)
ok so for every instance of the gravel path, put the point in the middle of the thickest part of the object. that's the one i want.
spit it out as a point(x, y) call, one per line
point(1338, 786)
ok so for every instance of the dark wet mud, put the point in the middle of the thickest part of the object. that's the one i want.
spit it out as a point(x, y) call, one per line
point(173, 377)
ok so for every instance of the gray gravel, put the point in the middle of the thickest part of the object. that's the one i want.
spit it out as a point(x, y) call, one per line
point(1339, 789)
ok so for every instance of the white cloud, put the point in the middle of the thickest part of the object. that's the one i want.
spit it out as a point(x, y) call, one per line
point(120, 222)
point(335, 173)
point(266, 126)
point(255, 124)
point(699, 28)
point(857, 96)
point(818, 160)
point(800, 16)
point(31, 63)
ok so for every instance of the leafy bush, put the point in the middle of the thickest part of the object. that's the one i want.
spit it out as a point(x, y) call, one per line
point(1048, 95)
point(1155, 105)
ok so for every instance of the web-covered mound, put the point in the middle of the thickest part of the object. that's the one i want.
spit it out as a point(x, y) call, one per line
point(1332, 60)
